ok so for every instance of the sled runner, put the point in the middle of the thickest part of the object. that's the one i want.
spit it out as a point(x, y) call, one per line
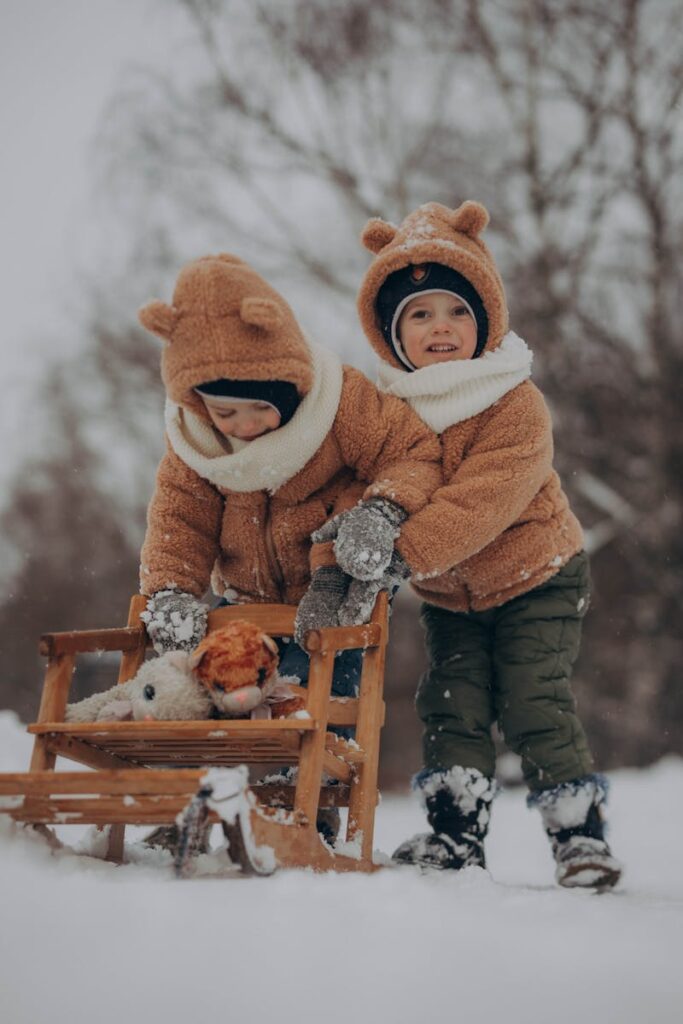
point(150, 772)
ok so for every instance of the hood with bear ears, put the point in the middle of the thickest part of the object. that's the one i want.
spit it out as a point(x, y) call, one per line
point(226, 322)
point(432, 234)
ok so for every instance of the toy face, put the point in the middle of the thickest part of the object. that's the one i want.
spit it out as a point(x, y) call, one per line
point(238, 667)
point(165, 690)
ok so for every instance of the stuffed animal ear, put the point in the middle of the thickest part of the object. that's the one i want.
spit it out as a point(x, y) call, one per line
point(263, 313)
point(194, 658)
point(159, 318)
point(270, 644)
point(377, 233)
point(471, 218)
point(179, 660)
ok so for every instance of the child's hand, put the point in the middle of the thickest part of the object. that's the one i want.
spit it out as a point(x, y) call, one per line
point(319, 607)
point(175, 621)
point(357, 606)
point(365, 538)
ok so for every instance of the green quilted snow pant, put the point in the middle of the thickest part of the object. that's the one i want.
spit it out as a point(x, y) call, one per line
point(511, 665)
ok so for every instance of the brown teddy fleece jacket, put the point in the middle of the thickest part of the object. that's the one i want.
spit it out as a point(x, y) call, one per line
point(240, 515)
point(500, 525)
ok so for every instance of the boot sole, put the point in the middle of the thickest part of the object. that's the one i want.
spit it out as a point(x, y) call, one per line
point(590, 876)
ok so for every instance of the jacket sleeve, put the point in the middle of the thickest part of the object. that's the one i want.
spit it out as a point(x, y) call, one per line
point(387, 444)
point(183, 530)
point(503, 469)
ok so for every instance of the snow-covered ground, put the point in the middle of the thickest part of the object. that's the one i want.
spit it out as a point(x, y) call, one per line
point(82, 940)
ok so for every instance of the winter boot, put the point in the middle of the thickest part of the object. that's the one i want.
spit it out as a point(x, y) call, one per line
point(573, 818)
point(458, 805)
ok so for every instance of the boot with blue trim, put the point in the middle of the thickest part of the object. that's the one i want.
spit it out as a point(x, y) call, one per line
point(458, 806)
point(573, 816)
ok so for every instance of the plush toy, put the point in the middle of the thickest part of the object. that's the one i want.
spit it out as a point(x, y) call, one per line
point(231, 673)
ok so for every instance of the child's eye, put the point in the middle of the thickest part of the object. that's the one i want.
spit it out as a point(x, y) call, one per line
point(460, 311)
point(420, 314)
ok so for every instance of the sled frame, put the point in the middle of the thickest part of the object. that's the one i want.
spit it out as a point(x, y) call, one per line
point(144, 773)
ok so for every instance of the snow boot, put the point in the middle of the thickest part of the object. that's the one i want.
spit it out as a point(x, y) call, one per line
point(458, 806)
point(572, 814)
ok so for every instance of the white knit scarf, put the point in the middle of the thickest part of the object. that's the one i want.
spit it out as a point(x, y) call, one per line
point(267, 462)
point(446, 393)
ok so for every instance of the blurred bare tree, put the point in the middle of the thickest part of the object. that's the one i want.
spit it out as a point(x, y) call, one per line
point(282, 126)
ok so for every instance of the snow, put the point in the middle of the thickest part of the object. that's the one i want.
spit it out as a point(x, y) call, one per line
point(83, 940)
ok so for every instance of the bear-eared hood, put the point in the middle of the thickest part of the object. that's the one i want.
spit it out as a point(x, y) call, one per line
point(226, 322)
point(432, 234)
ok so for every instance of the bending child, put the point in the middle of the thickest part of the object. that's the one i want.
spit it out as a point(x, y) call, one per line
point(267, 437)
point(497, 555)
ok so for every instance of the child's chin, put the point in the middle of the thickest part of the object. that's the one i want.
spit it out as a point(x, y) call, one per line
point(443, 357)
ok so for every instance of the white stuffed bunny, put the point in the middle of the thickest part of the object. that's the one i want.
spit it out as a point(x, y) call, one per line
point(163, 690)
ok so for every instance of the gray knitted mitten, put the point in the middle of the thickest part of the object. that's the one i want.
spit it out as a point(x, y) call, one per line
point(319, 607)
point(357, 606)
point(175, 621)
point(365, 538)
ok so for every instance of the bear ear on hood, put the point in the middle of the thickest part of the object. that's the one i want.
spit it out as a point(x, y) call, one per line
point(159, 318)
point(263, 313)
point(470, 218)
point(377, 233)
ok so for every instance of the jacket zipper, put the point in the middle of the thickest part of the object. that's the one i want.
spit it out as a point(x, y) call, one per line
point(273, 564)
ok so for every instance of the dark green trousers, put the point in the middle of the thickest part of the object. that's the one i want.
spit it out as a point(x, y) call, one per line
point(511, 665)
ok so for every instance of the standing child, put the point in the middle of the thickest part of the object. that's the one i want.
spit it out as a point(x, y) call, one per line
point(497, 554)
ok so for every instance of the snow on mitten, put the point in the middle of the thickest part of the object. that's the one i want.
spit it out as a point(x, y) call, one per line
point(175, 621)
point(365, 538)
point(319, 607)
point(356, 608)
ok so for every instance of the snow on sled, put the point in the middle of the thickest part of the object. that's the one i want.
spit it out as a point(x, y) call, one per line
point(159, 772)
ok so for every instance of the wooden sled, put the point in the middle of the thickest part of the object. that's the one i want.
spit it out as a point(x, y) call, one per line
point(146, 773)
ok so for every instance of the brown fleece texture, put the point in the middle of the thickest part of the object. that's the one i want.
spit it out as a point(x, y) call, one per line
point(225, 322)
point(255, 545)
point(432, 234)
point(500, 525)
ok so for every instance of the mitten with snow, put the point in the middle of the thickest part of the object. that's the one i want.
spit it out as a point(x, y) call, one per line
point(365, 538)
point(175, 621)
point(319, 607)
point(356, 608)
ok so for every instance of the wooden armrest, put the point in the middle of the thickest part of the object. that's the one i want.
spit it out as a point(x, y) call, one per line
point(125, 639)
point(343, 638)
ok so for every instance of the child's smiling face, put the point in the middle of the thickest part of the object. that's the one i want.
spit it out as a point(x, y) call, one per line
point(244, 420)
point(437, 327)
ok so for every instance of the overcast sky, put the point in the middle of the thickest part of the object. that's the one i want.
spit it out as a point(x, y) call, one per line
point(59, 62)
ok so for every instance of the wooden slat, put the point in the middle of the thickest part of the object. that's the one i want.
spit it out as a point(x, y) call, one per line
point(75, 750)
point(123, 780)
point(214, 730)
point(89, 641)
point(132, 660)
point(363, 799)
point(274, 619)
point(340, 747)
point(336, 768)
point(313, 743)
point(58, 676)
point(343, 638)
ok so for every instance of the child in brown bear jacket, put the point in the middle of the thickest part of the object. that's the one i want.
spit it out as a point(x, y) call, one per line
point(267, 438)
point(497, 554)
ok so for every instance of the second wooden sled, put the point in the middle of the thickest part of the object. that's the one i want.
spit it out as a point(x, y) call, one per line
point(145, 773)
